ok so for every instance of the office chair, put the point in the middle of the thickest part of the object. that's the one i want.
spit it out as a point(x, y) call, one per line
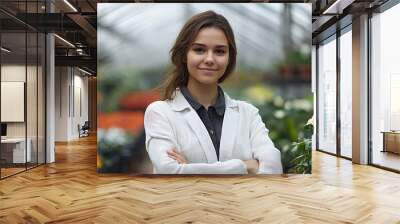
point(84, 130)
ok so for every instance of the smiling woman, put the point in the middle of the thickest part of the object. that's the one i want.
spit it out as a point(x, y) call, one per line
point(197, 128)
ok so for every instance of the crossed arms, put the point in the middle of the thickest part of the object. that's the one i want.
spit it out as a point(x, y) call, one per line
point(161, 146)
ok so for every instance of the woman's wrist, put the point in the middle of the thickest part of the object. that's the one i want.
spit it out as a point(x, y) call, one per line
point(252, 166)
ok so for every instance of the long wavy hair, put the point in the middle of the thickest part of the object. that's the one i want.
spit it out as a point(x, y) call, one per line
point(178, 75)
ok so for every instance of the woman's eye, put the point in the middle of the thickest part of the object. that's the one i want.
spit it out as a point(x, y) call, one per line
point(198, 50)
point(220, 52)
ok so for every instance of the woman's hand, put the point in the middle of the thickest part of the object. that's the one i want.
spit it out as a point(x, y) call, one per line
point(252, 166)
point(173, 154)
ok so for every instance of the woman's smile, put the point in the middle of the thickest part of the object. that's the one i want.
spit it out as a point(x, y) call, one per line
point(208, 71)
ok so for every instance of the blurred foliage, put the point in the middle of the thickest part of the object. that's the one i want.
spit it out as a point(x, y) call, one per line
point(286, 121)
point(296, 57)
point(112, 146)
point(120, 151)
point(113, 83)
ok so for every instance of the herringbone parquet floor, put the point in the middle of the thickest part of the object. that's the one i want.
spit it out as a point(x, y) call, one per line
point(70, 191)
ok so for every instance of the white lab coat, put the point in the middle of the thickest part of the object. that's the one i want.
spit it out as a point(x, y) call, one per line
point(175, 124)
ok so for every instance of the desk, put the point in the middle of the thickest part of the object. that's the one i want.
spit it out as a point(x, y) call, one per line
point(16, 147)
point(391, 141)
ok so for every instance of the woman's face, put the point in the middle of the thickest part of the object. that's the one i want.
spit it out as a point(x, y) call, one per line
point(208, 56)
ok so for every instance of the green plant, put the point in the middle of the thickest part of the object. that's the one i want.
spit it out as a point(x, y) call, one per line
point(297, 158)
point(285, 119)
point(286, 122)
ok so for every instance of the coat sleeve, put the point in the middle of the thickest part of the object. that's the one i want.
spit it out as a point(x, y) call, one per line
point(160, 138)
point(262, 147)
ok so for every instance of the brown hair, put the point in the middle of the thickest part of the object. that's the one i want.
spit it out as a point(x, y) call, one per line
point(178, 75)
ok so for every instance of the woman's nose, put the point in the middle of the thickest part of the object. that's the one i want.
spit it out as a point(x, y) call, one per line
point(209, 58)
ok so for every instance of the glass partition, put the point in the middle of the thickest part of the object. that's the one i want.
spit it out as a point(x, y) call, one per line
point(31, 97)
point(41, 91)
point(32, 85)
point(22, 88)
point(327, 96)
point(13, 109)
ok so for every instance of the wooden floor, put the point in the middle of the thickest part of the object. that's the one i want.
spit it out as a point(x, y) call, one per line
point(10, 171)
point(70, 191)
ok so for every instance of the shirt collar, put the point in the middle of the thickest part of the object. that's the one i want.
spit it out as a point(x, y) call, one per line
point(219, 104)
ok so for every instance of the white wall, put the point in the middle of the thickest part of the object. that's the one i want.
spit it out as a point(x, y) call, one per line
point(62, 81)
point(71, 93)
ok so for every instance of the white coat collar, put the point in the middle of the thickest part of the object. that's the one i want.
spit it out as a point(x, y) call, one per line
point(179, 103)
point(229, 126)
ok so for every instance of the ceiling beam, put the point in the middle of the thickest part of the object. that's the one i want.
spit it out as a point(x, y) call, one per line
point(83, 61)
point(86, 26)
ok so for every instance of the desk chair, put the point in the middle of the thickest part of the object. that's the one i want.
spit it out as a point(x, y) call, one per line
point(84, 130)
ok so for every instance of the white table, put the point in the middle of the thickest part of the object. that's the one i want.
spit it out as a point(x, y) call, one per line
point(19, 149)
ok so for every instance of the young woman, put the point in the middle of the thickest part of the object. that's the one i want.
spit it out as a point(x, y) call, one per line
point(197, 128)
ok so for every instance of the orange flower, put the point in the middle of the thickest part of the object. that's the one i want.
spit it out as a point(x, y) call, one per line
point(130, 121)
point(138, 100)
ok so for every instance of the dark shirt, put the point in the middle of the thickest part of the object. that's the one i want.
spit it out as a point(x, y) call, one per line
point(212, 118)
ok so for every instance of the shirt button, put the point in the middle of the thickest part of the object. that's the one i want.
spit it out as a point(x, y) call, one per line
point(212, 132)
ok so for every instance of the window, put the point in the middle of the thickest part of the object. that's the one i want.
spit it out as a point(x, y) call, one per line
point(385, 89)
point(346, 93)
point(327, 96)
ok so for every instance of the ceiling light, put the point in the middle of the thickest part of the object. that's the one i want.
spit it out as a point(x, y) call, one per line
point(331, 7)
point(71, 6)
point(337, 7)
point(5, 49)
point(80, 51)
point(84, 71)
point(65, 41)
